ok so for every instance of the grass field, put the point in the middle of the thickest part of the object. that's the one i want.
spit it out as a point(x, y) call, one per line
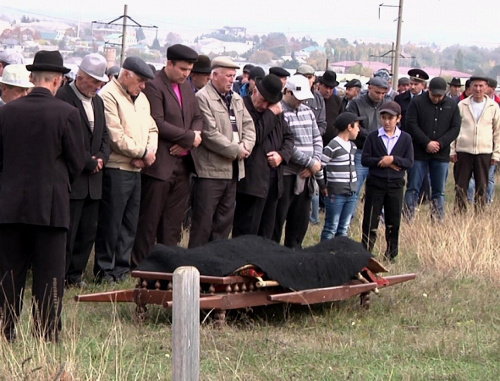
point(445, 325)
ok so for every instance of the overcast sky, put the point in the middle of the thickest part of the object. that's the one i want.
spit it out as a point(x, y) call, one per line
point(444, 22)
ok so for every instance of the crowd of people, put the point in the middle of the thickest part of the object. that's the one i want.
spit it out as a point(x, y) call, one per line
point(119, 159)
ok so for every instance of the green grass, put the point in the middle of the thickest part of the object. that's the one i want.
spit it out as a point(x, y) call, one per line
point(445, 325)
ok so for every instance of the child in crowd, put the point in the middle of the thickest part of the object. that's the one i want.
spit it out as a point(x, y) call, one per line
point(337, 180)
point(388, 152)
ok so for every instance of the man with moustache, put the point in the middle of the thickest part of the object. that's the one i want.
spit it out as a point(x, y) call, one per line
point(228, 138)
point(258, 193)
point(418, 82)
point(86, 191)
point(165, 185)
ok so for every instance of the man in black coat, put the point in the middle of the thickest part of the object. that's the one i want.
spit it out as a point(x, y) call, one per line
point(41, 154)
point(86, 191)
point(418, 82)
point(433, 121)
point(258, 192)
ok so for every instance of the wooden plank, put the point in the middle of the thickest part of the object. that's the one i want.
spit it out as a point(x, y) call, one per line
point(186, 325)
point(321, 295)
point(110, 296)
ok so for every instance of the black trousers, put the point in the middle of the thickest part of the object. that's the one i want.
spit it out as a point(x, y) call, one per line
point(466, 165)
point(81, 237)
point(295, 210)
point(247, 214)
point(43, 249)
point(117, 226)
point(163, 204)
point(213, 210)
point(380, 193)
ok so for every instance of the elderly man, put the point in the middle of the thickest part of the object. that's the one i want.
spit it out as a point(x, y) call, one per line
point(86, 191)
point(477, 146)
point(281, 73)
point(367, 107)
point(258, 193)
point(294, 205)
point(41, 154)
point(14, 83)
point(403, 85)
point(333, 103)
point(228, 139)
point(165, 185)
point(133, 140)
point(200, 73)
point(433, 121)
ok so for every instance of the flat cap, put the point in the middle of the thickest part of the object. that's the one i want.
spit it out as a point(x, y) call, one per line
point(179, 52)
point(256, 71)
point(279, 71)
point(353, 83)
point(404, 81)
point(224, 61)
point(379, 82)
point(306, 70)
point(478, 78)
point(202, 66)
point(138, 66)
point(247, 68)
point(418, 75)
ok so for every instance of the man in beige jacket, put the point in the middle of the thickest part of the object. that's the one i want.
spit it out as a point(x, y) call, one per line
point(478, 144)
point(228, 138)
point(133, 137)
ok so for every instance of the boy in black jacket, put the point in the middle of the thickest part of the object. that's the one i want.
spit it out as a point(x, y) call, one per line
point(388, 152)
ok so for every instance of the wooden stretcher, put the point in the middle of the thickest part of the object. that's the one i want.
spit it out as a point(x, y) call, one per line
point(233, 292)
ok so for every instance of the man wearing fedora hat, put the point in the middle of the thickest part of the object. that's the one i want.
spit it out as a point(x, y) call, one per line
point(165, 184)
point(41, 154)
point(455, 88)
point(200, 73)
point(327, 84)
point(258, 193)
point(15, 83)
point(228, 139)
point(86, 191)
point(133, 137)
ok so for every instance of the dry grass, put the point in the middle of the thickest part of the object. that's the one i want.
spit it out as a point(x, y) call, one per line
point(443, 326)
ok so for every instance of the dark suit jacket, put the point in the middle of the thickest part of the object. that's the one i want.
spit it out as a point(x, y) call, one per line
point(404, 101)
point(41, 154)
point(175, 125)
point(272, 134)
point(96, 144)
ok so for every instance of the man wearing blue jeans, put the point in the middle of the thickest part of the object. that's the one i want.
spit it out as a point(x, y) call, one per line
point(433, 121)
point(367, 106)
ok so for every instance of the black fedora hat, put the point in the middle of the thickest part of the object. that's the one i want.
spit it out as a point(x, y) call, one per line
point(455, 82)
point(329, 78)
point(46, 60)
point(270, 87)
point(202, 66)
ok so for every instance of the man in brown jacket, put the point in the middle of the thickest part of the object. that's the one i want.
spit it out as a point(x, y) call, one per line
point(165, 185)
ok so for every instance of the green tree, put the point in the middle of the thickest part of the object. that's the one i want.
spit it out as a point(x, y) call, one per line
point(459, 61)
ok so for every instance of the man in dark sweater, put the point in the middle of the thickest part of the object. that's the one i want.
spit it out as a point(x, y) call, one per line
point(387, 152)
point(433, 121)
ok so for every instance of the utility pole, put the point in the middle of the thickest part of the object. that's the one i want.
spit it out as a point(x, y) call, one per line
point(124, 34)
point(395, 69)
